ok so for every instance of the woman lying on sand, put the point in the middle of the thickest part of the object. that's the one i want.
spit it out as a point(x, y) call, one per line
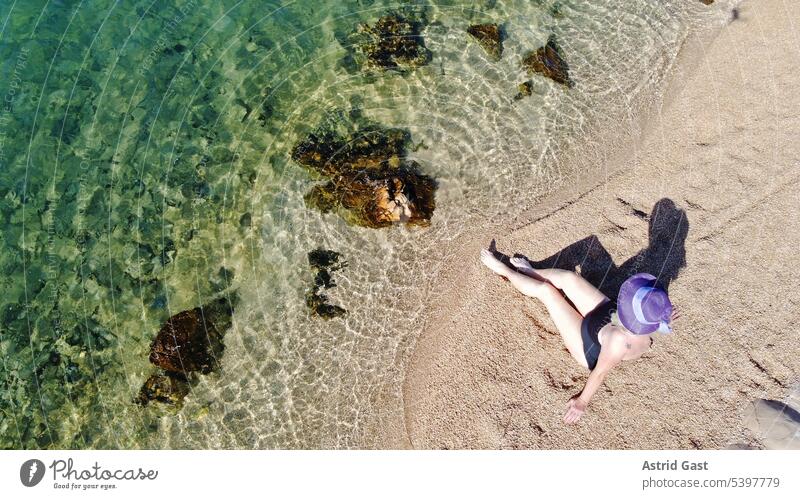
point(598, 332)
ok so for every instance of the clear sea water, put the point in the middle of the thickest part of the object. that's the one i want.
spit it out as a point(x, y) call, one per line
point(144, 168)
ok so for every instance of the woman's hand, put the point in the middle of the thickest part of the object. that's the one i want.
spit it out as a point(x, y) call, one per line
point(575, 409)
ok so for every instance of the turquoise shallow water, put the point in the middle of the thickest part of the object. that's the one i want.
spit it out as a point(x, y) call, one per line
point(145, 168)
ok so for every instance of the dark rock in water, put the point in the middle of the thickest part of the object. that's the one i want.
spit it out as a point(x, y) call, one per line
point(707, 2)
point(184, 344)
point(325, 262)
point(393, 42)
point(323, 259)
point(525, 90)
point(369, 181)
point(166, 388)
point(192, 340)
point(324, 279)
point(188, 342)
point(548, 62)
point(403, 196)
point(371, 148)
point(318, 303)
point(490, 37)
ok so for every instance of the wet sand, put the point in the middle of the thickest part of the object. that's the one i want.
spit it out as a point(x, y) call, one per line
point(721, 163)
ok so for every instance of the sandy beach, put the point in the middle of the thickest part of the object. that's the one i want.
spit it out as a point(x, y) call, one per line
point(707, 201)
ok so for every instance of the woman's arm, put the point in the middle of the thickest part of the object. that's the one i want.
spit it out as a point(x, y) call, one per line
point(610, 355)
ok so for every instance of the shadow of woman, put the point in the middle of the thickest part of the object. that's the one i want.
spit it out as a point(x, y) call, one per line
point(663, 257)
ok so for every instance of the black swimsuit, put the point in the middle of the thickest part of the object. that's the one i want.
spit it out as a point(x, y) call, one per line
point(591, 326)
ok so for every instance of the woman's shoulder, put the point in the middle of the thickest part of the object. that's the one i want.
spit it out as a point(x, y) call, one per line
point(614, 338)
point(619, 337)
point(626, 345)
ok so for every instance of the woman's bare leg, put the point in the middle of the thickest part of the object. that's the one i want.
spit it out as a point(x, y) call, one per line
point(581, 292)
point(566, 319)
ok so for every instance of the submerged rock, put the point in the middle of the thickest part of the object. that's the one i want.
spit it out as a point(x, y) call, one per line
point(403, 196)
point(707, 2)
point(325, 262)
point(318, 303)
point(490, 37)
point(525, 89)
point(393, 42)
point(369, 181)
point(322, 258)
point(188, 342)
point(548, 62)
point(168, 388)
point(371, 148)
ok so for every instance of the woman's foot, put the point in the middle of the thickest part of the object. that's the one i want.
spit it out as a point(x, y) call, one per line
point(495, 265)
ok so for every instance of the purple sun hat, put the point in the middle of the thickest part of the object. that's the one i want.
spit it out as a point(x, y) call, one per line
point(642, 307)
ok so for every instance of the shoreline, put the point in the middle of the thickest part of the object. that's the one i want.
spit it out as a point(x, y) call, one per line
point(486, 376)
